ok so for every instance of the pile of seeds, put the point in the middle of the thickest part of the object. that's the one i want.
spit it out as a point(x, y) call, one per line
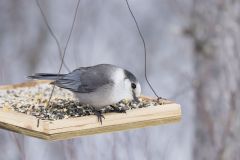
point(33, 101)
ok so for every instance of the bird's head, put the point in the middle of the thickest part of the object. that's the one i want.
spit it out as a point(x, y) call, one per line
point(132, 84)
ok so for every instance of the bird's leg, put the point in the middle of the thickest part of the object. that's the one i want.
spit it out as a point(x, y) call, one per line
point(99, 115)
point(118, 110)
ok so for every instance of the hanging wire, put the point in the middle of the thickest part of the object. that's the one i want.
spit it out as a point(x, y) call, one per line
point(52, 34)
point(64, 52)
point(62, 56)
point(59, 48)
point(145, 51)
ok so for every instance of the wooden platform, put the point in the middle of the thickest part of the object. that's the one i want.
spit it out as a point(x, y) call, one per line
point(87, 125)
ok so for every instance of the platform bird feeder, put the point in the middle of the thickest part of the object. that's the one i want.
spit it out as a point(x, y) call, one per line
point(23, 110)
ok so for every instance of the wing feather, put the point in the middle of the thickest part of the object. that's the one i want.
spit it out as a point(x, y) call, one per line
point(85, 79)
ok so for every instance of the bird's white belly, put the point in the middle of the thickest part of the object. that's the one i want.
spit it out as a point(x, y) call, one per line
point(104, 96)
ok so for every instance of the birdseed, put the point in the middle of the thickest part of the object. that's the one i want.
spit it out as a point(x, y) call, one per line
point(33, 101)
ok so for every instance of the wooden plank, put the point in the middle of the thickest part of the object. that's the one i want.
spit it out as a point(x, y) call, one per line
point(111, 119)
point(22, 120)
point(74, 127)
point(169, 114)
point(87, 125)
point(24, 131)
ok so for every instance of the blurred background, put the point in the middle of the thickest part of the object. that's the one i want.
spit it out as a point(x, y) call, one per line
point(193, 58)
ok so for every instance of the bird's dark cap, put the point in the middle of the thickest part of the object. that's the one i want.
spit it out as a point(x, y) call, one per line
point(130, 76)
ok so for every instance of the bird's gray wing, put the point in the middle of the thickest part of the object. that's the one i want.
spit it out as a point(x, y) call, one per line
point(84, 80)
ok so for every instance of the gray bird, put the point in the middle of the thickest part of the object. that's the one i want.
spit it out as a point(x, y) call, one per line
point(98, 86)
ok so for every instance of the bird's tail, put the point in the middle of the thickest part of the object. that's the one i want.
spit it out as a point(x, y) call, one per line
point(46, 76)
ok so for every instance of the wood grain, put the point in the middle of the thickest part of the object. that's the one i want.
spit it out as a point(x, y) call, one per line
point(88, 125)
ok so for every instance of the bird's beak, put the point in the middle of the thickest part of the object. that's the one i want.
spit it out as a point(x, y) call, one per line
point(135, 98)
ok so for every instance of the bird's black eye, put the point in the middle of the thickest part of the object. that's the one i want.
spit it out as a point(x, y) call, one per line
point(133, 85)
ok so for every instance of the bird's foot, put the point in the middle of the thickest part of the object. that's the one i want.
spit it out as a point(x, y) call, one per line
point(99, 115)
